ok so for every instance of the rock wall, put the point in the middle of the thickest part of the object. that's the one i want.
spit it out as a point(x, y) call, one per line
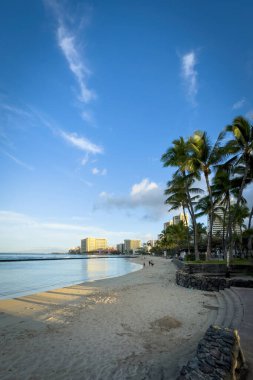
point(201, 282)
point(219, 357)
point(209, 283)
point(241, 283)
point(219, 269)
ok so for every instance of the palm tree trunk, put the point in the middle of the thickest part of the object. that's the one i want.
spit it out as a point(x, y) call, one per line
point(250, 237)
point(194, 223)
point(241, 253)
point(250, 218)
point(188, 235)
point(223, 228)
point(210, 231)
point(228, 252)
point(242, 184)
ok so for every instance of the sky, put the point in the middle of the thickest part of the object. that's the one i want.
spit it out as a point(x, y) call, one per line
point(92, 93)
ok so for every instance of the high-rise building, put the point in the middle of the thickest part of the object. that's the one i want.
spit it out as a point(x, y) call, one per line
point(91, 244)
point(218, 223)
point(131, 245)
point(150, 244)
point(176, 219)
point(120, 248)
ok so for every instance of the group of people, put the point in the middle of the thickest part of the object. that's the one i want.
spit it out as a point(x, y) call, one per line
point(150, 262)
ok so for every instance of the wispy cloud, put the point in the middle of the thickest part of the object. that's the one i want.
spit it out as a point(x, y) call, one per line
point(145, 195)
point(87, 183)
point(239, 104)
point(81, 143)
point(97, 171)
point(28, 231)
point(88, 117)
point(67, 43)
point(85, 160)
point(17, 161)
point(15, 110)
point(71, 20)
point(249, 114)
point(190, 74)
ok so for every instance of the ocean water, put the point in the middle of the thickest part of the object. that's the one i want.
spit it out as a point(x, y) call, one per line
point(45, 256)
point(19, 278)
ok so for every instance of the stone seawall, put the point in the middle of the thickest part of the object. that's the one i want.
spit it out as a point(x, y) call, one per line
point(210, 283)
point(201, 282)
point(218, 269)
point(219, 357)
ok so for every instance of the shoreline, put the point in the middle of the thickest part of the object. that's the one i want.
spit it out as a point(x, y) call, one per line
point(67, 258)
point(29, 286)
point(139, 325)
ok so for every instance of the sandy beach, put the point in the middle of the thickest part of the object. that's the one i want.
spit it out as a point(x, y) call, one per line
point(138, 326)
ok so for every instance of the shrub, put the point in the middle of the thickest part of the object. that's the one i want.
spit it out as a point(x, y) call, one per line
point(190, 257)
point(202, 256)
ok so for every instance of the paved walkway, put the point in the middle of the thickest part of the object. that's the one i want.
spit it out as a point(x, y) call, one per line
point(246, 327)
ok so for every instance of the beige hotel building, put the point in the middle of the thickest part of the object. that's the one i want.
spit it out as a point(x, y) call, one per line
point(91, 244)
point(176, 219)
point(131, 245)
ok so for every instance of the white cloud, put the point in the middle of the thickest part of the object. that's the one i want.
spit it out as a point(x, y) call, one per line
point(87, 183)
point(67, 43)
point(97, 171)
point(249, 114)
point(239, 104)
point(85, 160)
point(70, 22)
point(146, 196)
point(81, 143)
point(189, 73)
point(17, 161)
point(248, 194)
point(143, 187)
point(21, 232)
point(88, 117)
point(15, 110)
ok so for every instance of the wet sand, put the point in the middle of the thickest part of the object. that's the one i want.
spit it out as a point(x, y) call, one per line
point(138, 326)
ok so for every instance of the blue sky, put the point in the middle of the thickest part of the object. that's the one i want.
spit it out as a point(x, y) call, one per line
point(93, 93)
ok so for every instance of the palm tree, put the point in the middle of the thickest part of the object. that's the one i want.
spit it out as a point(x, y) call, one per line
point(250, 232)
point(178, 156)
point(240, 167)
point(240, 214)
point(204, 157)
point(174, 237)
point(177, 197)
point(223, 189)
point(242, 146)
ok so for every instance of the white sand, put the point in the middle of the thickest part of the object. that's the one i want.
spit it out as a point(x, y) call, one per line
point(138, 326)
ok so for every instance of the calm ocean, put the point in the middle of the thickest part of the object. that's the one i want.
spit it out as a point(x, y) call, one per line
point(41, 272)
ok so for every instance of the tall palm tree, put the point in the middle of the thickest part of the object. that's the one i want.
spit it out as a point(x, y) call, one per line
point(225, 189)
point(240, 214)
point(177, 197)
point(204, 157)
point(178, 156)
point(241, 146)
point(250, 234)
